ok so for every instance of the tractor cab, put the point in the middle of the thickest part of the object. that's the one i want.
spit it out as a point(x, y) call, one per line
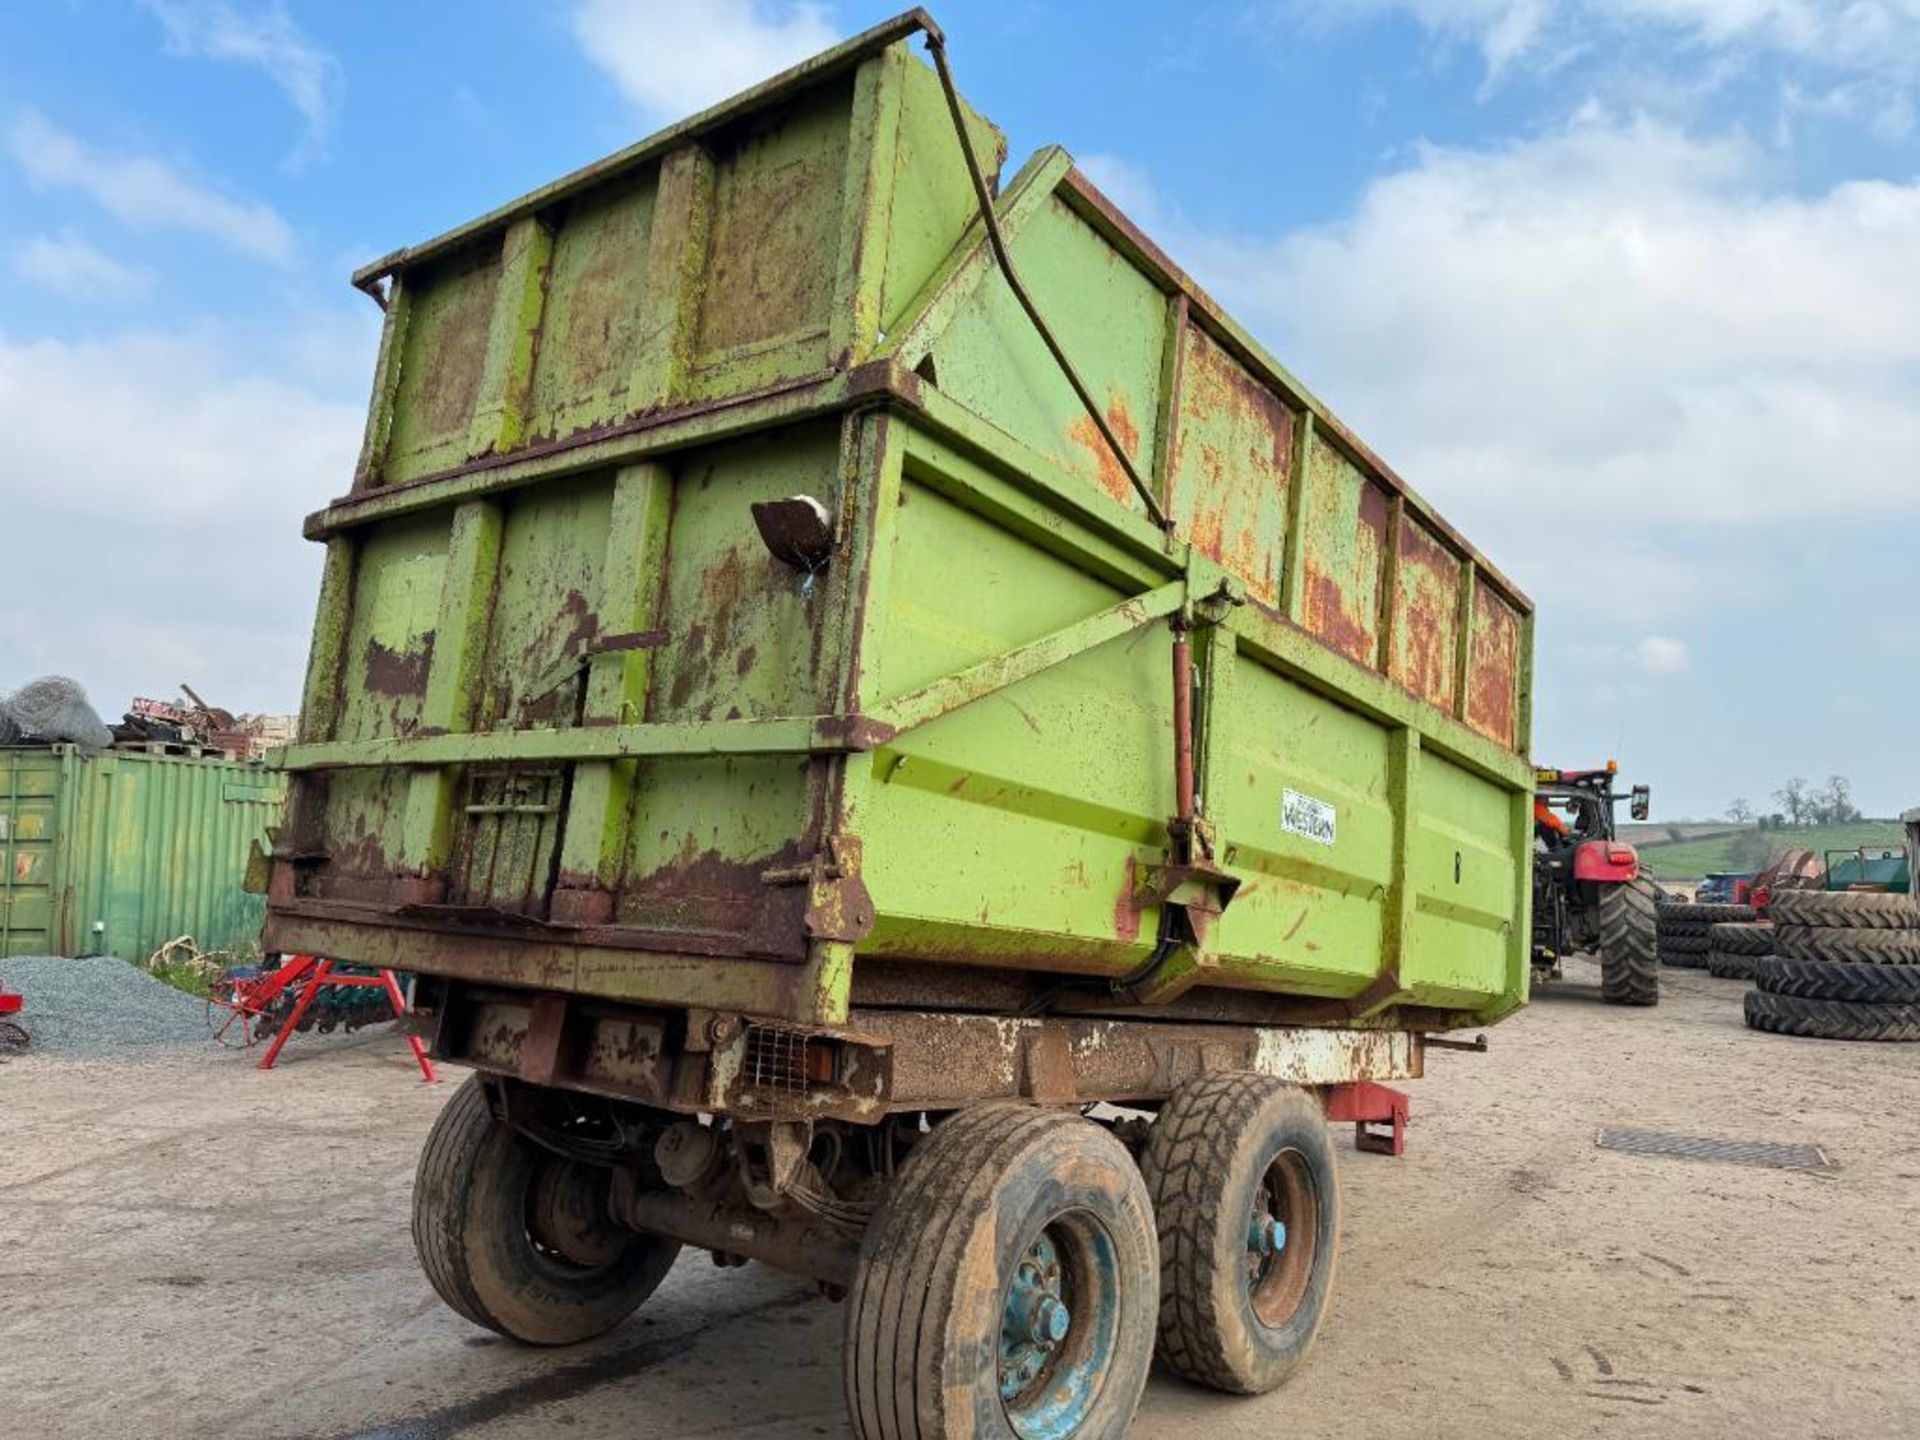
point(1573, 816)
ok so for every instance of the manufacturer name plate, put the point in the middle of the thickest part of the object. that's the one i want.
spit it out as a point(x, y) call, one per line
point(1307, 817)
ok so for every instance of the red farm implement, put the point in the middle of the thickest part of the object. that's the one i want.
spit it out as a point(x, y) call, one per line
point(13, 1035)
point(248, 1002)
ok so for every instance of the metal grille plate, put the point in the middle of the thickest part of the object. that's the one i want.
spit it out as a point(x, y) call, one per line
point(1724, 1152)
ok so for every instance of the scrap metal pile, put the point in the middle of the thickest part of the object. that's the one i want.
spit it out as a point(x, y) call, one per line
point(198, 725)
point(54, 710)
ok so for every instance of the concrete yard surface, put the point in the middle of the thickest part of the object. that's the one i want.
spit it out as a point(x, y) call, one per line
point(191, 1248)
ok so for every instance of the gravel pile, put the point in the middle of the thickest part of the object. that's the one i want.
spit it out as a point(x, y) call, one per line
point(101, 1007)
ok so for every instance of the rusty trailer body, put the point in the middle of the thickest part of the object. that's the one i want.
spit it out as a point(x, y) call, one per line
point(749, 681)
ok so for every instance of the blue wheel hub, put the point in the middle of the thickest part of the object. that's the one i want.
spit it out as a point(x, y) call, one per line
point(1266, 1240)
point(1059, 1324)
point(1035, 1321)
point(1266, 1236)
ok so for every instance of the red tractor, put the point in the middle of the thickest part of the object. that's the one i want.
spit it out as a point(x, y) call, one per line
point(1590, 892)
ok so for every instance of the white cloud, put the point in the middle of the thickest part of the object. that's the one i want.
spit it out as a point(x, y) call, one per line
point(72, 268)
point(267, 38)
point(191, 440)
point(1662, 655)
point(167, 545)
point(144, 192)
point(671, 58)
point(1859, 37)
point(1614, 324)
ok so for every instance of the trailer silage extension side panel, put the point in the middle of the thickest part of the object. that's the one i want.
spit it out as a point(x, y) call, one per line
point(573, 726)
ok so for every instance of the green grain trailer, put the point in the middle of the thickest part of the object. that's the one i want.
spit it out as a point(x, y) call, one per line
point(116, 852)
point(819, 712)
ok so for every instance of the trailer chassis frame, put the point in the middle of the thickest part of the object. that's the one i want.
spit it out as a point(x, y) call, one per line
point(883, 1062)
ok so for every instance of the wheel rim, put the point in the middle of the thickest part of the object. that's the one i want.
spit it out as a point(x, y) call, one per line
point(1282, 1229)
point(567, 1220)
point(1059, 1327)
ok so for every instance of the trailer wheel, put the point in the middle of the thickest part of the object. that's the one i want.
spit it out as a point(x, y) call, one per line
point(1005, 1287)
point(1247, 1199)
point(518, 1239)
point(1629, 944)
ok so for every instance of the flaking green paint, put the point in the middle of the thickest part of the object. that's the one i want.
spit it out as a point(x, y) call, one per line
point(967, 708)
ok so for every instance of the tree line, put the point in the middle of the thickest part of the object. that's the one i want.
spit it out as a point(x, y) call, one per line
point(1802, 804)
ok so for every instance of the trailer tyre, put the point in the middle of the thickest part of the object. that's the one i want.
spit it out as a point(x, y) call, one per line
point(1240, 1302)
point(1005, 1286)
point(517, 1239)
point(1629, 946)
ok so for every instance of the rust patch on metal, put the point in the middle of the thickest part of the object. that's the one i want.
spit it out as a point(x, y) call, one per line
point(775, 206)
point(1232, 465)
point(1426, 621)
point(1327, 617)
point(1493, 667)
point(399, 672)
point(1108, 471)
point(1345, 553)
point(1047, 1066)
point(704, 893)
point(596, 301)
point(445, 351)
point(1126, 906)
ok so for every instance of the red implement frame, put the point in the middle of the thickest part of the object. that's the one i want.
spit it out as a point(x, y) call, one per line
point(12, 1036)
point(1367, 1103)
point(310, 973)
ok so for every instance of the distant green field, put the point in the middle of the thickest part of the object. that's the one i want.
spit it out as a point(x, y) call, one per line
point(1691, 859)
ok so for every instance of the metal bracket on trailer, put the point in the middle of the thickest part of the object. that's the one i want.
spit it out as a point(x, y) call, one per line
point(1368, 1104)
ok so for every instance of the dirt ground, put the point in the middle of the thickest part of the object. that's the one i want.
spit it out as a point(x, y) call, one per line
point(192, 1248)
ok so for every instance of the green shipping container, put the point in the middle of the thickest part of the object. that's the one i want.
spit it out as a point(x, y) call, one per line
point(118, 852)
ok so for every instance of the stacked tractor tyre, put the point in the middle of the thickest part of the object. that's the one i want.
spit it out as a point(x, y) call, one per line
point(1846, 966)
point(1686, 930)
point(1734, 945)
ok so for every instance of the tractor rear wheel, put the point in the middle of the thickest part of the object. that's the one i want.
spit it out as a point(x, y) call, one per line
point(1629, 944)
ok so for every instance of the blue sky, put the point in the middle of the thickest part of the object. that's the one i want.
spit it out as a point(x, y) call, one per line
point(1627, 287)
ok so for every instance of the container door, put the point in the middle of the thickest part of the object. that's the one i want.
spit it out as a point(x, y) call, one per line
point(29, 821)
